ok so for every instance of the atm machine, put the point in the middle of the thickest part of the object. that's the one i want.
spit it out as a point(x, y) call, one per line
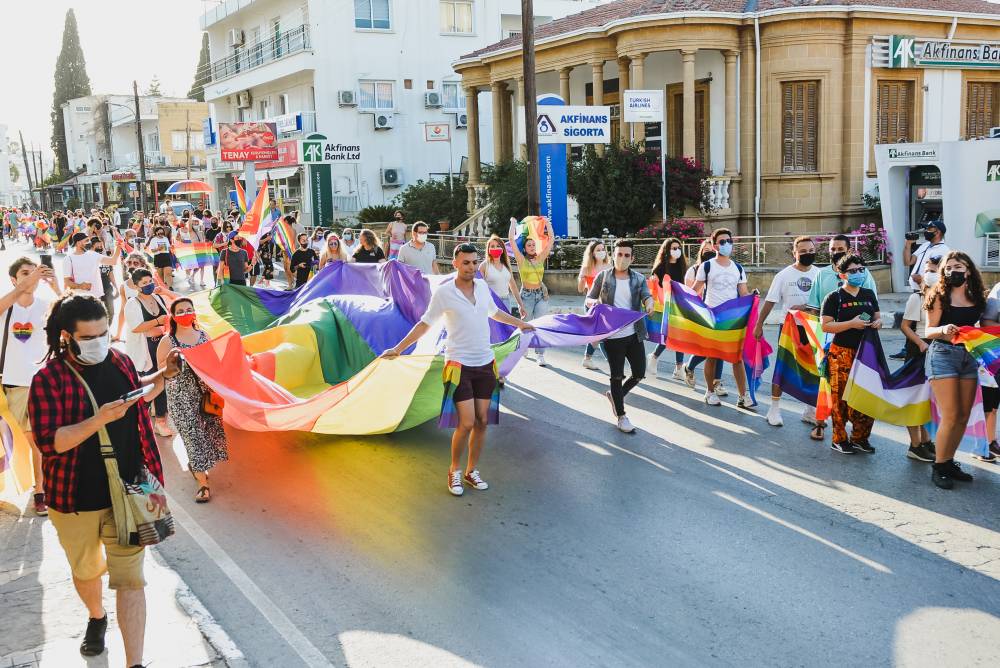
point(925, 196)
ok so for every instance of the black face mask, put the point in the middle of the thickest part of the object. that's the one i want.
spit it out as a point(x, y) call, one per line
point(955, 279)
point(929, 235)
point(806, 259)
point(837, 257)
point(707, 255)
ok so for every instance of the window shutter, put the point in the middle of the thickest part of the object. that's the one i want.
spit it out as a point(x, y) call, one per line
point(981, 108)
point(800, 126)
point(699, 127)
point(811, 125)
point(894, 112)
point(787, 129)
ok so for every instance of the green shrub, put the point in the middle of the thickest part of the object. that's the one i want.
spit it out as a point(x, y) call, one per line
point(434, 201)
point(508, 192)
point(376, 214)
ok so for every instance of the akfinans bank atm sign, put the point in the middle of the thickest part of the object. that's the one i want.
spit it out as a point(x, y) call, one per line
point(907, 51)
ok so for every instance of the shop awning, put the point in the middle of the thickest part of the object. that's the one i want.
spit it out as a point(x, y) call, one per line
point(276, 174)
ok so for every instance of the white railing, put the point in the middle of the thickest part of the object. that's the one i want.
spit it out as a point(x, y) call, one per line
point(718, 192)
point(252, 56)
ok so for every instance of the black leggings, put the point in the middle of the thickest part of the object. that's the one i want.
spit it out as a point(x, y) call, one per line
point(617, 351)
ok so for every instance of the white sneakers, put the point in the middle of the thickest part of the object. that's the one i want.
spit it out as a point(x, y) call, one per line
point(651, 363)
point(540, 358)
point(455, 483)
point(809, 415)
point(720, 389)
point(625, 426)
point(678, 372)
point(774, 416)
point(473, 480)
point(588, 363)
point(712, 399)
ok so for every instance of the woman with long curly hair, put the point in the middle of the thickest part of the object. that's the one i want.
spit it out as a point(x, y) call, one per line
point(595, 260)
point(958, 300)
point(669, 265)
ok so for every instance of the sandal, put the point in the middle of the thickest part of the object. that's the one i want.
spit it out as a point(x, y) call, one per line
point(203, 495)
point(818, 433)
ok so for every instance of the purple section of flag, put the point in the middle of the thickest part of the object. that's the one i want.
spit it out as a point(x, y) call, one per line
point(871, 355)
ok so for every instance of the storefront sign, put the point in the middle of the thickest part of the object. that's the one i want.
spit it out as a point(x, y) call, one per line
point(123, 176)
point(643, 106)
point(208, 132)
point(993, 170)
point(572, 125)
point(912, 152)
point(287, 122)
point(909, 51)
point(437, 132)
point(288, 156)
point(248, 141)
point(316, 149)
point(321, 191)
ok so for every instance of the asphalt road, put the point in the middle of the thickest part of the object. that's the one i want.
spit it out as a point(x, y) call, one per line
point(708, 538)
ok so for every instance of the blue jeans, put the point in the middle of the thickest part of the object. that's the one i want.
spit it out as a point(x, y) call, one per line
point(534, 304)
point(678, 357)
point(698, 359)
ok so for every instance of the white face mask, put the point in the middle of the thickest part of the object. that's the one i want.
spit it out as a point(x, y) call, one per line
point(600, 255)
point(422, 237)
point(94, 351)
point(675, 253)
point(931, 278)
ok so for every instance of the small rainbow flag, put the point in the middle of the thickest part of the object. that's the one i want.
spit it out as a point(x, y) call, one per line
point(755, 353)
point(64, 242)
point(258, 221)
point(285, 236)
point(195, 255)
point(241, 196)
point(533, 227)
point(692, 327)
point(983, 343)
point(654, 321)
point(800, 353)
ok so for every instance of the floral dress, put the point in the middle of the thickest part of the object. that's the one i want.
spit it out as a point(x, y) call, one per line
point(203, 435)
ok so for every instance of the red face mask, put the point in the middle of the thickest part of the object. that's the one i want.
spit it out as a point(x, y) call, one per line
point(185, 319)
point(496, 252)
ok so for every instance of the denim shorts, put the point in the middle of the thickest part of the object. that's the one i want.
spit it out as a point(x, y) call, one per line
point(945, 360)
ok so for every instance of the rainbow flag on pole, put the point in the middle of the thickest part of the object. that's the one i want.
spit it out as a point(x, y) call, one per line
point(983, 343)
point(195, 255)
point(241, 195)
point(258, 221)
point(689, 326)
point(902, 397)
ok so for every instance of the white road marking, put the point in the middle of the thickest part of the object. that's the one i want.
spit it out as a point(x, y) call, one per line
point(257, 598)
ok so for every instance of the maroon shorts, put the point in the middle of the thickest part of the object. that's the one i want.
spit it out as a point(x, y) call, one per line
point(476, 382)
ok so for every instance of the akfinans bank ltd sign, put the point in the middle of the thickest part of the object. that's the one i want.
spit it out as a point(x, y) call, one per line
point(907, 51)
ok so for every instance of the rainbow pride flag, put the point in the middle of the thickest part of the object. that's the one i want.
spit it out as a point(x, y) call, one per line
point(308, 360)
point(241, 195)
point(756, 353)
point(195, 255)
point(690, 326)
point(532, 227)
point(15, 452)
point(285, 236)
point(654, 321)
point(983, 343)
point(975, 438)
point(901, 397)
point(800, 353)
point(260, 216)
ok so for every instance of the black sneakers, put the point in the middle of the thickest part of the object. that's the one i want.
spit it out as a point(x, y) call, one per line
point(93, 639)
point(843, 448)
point(956, 472)
point(991, 454)
point(863, 446)
point(945, 474)
point(920, 453)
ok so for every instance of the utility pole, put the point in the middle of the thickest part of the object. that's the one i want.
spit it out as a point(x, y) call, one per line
point(27, 169)
point(142, 152)
point(34, 165)
point(187, 142)
point(530, 103)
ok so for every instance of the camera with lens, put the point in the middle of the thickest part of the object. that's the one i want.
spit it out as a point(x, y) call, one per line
point(911, 236)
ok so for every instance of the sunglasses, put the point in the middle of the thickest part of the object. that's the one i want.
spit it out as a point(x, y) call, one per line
point(856, 270)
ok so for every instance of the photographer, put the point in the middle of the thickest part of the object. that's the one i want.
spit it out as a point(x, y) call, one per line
point(932, 247)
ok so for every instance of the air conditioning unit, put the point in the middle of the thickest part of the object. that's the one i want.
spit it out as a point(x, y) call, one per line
point(461, 120)
point(392, 177)
point(995, 133)
point(383, 121)
point(235, 37)
point(243, 100)
point(432, 99)
point(347, 98)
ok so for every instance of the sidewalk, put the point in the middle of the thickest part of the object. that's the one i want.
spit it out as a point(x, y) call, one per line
point(44, 619)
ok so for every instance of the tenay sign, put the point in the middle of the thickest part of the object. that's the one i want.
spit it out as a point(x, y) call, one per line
point(908, 51)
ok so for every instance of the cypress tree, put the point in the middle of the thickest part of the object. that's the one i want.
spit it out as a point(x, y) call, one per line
point(197, 91)
point(71, 81)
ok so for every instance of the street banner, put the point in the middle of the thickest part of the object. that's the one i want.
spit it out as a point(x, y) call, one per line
point(321, 191)
point(240, 142)
point(572, 125)
point(552, 170)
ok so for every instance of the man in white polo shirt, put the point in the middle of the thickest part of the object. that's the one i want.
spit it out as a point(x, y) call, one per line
point(466, 306)
point(417, 252)
point(81, 268)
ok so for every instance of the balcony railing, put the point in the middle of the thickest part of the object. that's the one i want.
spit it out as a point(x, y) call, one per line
point(252, 56)
point(153, 159)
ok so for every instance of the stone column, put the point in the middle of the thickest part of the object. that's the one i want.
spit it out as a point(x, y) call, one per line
point(505, 122)
point(564, 93)
point(731, 169)
point(597, 76)
point(496, 91)
point(688, 150)
point(522, 150)
point(638, 83)
point(623, 85)
point(472, 112)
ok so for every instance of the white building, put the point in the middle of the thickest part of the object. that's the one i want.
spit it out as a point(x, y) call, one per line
point(6, 188)
point(368, 73)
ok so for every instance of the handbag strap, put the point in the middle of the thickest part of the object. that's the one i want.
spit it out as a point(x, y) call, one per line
point(107, 450)
point(6, 336)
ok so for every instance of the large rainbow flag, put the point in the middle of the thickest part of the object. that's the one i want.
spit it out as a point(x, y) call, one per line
point(191, 256)
point(690, 326)
point(800, 354)
point(654, 321)
point(308, 360)
point(983, 343)
point(901, 397)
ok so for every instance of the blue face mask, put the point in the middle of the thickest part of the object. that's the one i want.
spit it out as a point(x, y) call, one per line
point(726, 248)
point(148, 289)
point(857, 280)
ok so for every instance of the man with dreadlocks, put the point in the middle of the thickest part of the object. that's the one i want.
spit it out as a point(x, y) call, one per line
point(74, 397)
